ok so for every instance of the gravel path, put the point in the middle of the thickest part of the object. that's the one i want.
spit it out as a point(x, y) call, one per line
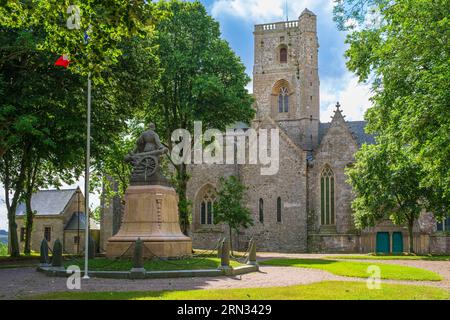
point(16, 283)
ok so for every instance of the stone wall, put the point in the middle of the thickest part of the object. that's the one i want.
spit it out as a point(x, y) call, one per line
point(334, 243)
point(40, 222)
point(440, 244)
point(70, 245)
point(336, 151)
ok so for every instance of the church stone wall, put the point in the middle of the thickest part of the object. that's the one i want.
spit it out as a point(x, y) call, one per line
point(337, 151)
point(289, 235)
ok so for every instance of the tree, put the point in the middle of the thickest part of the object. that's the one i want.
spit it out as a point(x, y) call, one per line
point(385, 180)
point(402, 48)
point(229, 208)
point(202, 80)
point(66, 23)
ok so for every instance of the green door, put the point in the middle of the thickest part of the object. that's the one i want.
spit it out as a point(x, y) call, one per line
point(383, 242)
point(397, 242)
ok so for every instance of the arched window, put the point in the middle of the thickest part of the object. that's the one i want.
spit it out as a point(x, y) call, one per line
point(283, 100)
point(207, 208)
point(261, 210)
point(327, 196)
point(279, 209)
point(283, 55)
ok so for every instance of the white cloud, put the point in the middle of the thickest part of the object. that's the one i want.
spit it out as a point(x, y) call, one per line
point(262, 11)
point(353, 97)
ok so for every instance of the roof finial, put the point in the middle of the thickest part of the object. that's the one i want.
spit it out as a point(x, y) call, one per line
point(338, 106)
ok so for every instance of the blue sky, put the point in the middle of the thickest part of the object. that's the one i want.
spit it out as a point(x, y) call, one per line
point(237, 19)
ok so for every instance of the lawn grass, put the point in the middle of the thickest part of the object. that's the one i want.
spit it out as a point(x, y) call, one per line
point(358, 269)
point(329, 290)
point(104, 264)
point(394, 257)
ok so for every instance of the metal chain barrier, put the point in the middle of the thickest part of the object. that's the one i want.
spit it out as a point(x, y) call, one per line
point(244, 258)
point(210, 252)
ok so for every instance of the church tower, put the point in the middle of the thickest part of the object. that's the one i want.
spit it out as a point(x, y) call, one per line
point(286, 79)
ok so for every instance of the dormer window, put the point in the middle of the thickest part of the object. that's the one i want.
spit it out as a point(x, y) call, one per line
point(283, 55)
point(283, 100)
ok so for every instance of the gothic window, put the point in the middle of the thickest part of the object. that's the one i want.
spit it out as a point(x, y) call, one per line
point(327, 196)
point(207, 208)
point(279, 209)
point(443, 225)
point(283, 100)
point(261, 210)
point(283, 55)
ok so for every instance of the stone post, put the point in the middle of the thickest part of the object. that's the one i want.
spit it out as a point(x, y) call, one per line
point(57, 258)
point(219, 249)
point(225, 257)
point(252, 254)
point(44, 259)
point(138, 270)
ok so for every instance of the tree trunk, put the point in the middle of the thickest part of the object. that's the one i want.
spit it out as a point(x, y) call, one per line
point(29, 224)
point(18, 188)
point(13, 240)
point(183, 203)
point(411, 235)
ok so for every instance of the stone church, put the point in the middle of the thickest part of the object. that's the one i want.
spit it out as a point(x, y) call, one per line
point(306, 206)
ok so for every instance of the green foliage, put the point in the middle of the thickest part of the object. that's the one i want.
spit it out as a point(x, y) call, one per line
point(358, 269)
point(406, 57)
point(229, 207)
point(43, 113)
point(327, 290)
point(107, 23)
point(385, 180)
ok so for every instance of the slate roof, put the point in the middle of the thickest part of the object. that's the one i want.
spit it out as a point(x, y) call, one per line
point(73, 222)
point(48, 202)
point(357, 129)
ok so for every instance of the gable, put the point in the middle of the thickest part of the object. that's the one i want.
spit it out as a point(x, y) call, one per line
point(357, 129)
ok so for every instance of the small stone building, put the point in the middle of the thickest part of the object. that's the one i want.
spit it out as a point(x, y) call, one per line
point(59, 215)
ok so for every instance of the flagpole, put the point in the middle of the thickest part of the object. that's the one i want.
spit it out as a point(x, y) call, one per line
point(86, 180)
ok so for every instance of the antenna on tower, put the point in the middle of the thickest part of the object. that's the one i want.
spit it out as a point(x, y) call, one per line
point(287, 10)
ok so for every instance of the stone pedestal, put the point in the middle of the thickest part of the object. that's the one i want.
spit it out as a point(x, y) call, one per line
point(151, 214)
